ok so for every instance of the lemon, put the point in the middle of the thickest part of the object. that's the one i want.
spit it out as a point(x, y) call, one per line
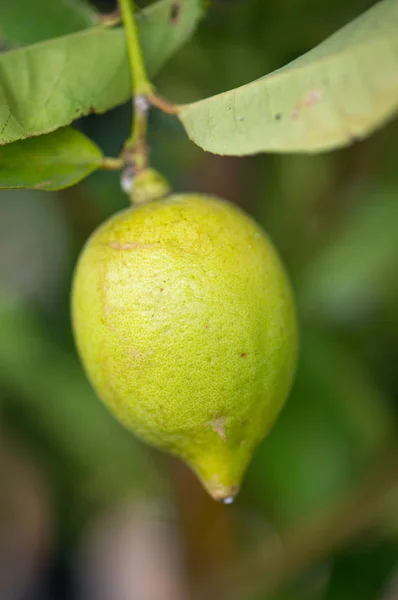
point(185, 323)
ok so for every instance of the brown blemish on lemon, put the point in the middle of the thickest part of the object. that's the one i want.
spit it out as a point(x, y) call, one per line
point(218, 426)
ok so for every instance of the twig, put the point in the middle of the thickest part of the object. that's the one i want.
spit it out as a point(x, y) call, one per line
point(111, 164)
point(163, 104)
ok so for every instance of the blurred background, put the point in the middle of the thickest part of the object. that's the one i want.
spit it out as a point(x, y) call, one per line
point(87, 512)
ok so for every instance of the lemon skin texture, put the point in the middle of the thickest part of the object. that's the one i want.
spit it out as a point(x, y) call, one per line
point(185, 323)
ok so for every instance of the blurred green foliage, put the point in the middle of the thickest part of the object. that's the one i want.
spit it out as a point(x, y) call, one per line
point(334, 218)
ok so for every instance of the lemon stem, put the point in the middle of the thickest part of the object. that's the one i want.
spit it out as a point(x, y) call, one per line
point(138, 181)
point(140, 81)
point(141, 84)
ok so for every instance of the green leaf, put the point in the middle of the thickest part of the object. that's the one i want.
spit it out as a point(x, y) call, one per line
point(24, 22)
point(340, 91)
point(48, 85)
point(49, 162)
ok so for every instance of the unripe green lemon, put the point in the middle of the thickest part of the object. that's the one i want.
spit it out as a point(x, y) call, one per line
point(185, 323)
